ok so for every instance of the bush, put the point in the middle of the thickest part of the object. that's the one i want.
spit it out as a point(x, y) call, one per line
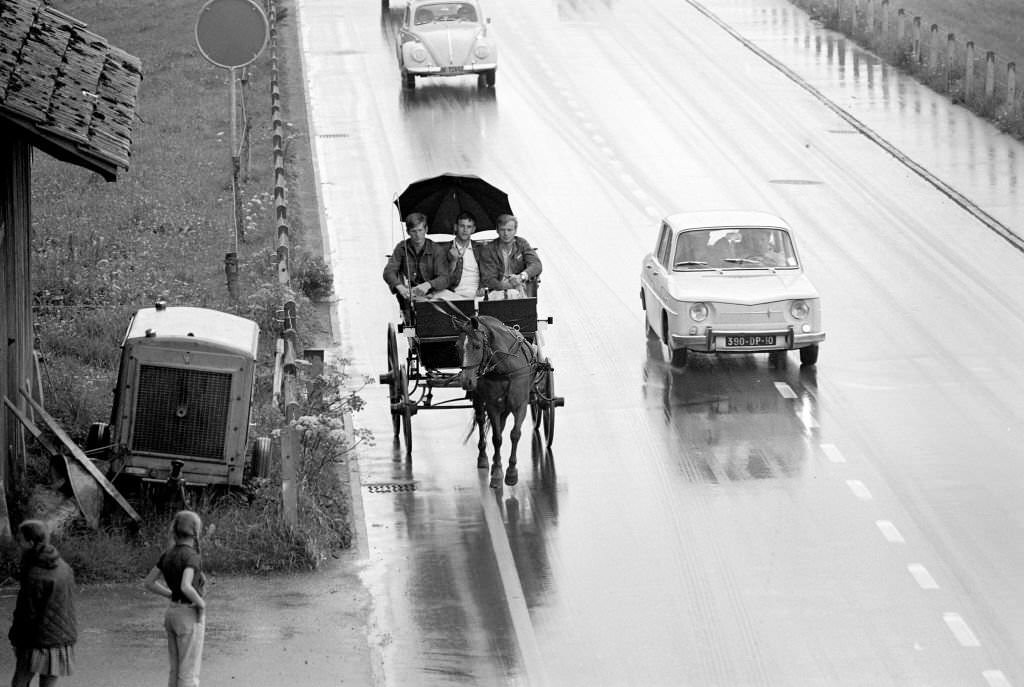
point(313, 277)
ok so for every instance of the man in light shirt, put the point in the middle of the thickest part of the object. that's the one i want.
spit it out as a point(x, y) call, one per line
point(464, 259)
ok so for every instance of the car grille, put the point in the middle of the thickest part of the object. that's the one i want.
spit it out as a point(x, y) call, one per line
point(181, 412)
point(748, 315)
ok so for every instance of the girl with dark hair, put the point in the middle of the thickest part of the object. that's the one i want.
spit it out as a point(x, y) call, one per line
point(44, 630)
point(181, 567)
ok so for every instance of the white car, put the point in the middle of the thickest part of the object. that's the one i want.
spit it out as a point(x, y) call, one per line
point(446, 39)
point(729, 281)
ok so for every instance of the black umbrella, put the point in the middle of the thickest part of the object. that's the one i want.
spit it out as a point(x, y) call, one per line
point(443, 197)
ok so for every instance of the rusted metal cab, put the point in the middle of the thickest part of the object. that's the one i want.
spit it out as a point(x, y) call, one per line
point(184, 392)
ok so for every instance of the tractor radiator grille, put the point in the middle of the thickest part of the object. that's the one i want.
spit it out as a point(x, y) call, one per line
point(182, 412)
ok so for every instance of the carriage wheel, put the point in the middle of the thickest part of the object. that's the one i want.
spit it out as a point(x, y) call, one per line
point(405, 414)
point(548, 407)
point(394, 387)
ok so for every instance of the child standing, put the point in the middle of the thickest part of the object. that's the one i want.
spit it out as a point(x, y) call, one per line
point(181, 568)
point(44, 630)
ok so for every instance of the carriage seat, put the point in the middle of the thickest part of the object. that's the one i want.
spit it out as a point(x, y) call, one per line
point(431, 323)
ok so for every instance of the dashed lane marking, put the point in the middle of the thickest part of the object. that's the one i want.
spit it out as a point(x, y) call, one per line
point(922, 576)
point(859, 489)
point(995, 678)
point(960, 629)
point(890, 532)
point(785, 390)
point(832, 452)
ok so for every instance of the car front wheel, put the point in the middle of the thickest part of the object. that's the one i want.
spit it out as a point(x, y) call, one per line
point(408, 81)
point(488, 78)
point(809, 355)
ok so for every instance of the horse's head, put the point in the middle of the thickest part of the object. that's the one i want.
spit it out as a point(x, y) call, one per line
point(474, 351)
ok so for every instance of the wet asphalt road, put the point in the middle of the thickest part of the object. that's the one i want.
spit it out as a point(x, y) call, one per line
point(727, 524)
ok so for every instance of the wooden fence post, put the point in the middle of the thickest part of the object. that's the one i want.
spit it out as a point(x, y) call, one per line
point(969, 71)
point(231, 272)
point(933, 48)
point(915, 51)
point(291, 452)
point(1011, 84)
point(990, 75)
point(886, 7)
point(950, 61)
point(869, 19)
point(901, 24)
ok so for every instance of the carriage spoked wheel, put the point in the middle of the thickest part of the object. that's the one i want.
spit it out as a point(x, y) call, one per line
point(547, 403)
point(405, 411)
point(391, 379)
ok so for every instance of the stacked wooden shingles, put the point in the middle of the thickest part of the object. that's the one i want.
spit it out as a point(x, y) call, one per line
point(42, 53)
point(117, 92)
point(15, 22)
point(71, 103)
point(70, 83)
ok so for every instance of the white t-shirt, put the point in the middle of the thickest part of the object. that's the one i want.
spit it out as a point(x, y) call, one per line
point(470, 282)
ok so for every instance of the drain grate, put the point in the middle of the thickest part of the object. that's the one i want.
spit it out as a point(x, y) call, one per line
point(332, 135)
point(390, 487)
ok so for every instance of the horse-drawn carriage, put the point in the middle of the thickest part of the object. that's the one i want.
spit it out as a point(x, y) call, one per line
point(482, 353)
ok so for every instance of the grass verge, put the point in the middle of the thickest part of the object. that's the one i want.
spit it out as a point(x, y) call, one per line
point(994, 27)
point(103, 250)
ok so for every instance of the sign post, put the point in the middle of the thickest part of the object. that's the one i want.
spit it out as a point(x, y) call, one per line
point(231, 34)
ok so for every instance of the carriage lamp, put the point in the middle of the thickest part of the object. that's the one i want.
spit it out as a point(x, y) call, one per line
point(481, 51)
point(419, 53)
point(698, 312)
point(799, 309)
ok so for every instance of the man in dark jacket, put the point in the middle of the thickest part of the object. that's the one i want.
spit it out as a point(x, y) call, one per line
point(509, 264)
point(417, 266)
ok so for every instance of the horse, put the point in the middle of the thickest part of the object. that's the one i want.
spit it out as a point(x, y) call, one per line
point(498, 370)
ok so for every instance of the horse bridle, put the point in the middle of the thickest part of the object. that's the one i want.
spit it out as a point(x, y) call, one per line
point(488, 363)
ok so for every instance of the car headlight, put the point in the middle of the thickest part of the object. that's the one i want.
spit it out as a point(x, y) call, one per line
point(481, 51)
point(699, 312)
point(418, 53)
point(799, 309)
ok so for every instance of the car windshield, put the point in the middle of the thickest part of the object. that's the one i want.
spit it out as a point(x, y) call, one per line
point(734, 248)
point(445, 12)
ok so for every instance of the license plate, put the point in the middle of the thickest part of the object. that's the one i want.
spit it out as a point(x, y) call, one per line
point(452, 70)
point(749, 340)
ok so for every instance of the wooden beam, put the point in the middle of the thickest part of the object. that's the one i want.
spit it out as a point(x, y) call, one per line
point(80, 456)
point(84, 489)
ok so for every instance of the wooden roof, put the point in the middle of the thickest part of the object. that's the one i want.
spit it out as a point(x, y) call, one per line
point(73, 94)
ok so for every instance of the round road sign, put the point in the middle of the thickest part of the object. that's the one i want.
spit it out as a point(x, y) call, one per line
point(231, 33)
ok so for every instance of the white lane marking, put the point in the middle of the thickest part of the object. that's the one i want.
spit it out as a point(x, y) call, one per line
point(518, 611)
point(958, 626)
point(859, 490)
point(785, 390)
point(995, 678)
point(831, 452)
point(923, 577)
point(890, 532)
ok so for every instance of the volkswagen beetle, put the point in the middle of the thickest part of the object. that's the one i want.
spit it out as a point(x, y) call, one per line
point(446, 39)
point(729, 282)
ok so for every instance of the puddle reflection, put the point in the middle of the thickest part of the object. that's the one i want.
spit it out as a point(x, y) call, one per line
point(734, 418)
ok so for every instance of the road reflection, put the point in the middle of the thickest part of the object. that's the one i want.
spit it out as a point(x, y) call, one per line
point(528, 521)
point(734, 418)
